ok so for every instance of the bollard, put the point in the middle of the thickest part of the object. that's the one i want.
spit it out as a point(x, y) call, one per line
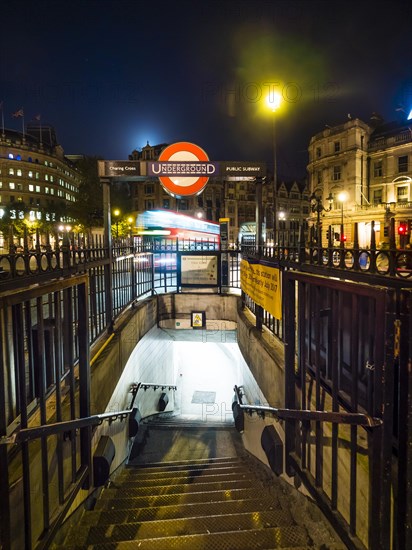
point(273, 447)
point(163, 401)
point(134, 421)
point(239, 417)
point(102, 460)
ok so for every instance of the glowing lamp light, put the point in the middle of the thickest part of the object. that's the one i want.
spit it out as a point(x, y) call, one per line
point(273, 100)
point(410, 115)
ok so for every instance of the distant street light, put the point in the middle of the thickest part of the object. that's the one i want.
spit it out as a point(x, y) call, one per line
point(130, 221)
point(116, 214)
point(273, 101)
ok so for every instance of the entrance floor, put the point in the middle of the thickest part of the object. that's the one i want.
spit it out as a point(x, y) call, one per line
point(208, 364)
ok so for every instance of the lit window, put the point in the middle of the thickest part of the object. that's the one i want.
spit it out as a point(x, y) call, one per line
point(11, 171)
point(30, 174)
point(46, 190)
point(402, 194)
point(11, 156)
point(37, 175)
point(37, 188)
point(336, 173)
point(12, 185)
point(19, 173)
point(46, 177)
point(31, 187)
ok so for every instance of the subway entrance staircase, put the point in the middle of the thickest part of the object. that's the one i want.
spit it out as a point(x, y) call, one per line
point(190, 485)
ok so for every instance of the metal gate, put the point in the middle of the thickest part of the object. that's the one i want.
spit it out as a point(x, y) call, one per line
point(348, 350)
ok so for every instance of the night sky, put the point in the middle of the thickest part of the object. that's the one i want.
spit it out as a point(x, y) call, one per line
point(112, 75)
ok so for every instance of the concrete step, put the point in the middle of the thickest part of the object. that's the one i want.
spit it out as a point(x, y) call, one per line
point(175, 498)
point(169, 489)
point(183, 478)
point(143, 476)
point(189, 510)
point(162, 528)
point(291, 537)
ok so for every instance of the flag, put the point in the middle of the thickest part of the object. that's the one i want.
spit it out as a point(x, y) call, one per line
point(37, 117)
point(18, 113)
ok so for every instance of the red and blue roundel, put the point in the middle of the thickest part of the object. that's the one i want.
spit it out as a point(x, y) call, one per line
point(183, 186)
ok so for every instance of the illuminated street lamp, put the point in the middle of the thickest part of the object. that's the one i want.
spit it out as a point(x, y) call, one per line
point(318, 207)
point(273, 101)
point(116, 214)
point(130, 221)
point(282, 219)
point(342, 198)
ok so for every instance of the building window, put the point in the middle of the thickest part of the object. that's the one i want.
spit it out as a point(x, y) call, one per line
point(148, 205)
point(166, 203)
point(12, 185)
point(336, 146)
point(377, 169)
point(318, 152)
point(402, 194)
point(11, 171)
point(183, 204)
point(319, 176)
point(336, 173)
point(19, 173)
point(377, 196)
point(149, 189)
point(403, 164)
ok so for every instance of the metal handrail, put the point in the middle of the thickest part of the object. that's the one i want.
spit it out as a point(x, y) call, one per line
point(358, 419)
point(29, 434)
point(146, 386)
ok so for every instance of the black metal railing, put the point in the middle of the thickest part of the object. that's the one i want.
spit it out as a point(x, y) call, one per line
point(306, 424)
point(17, 448)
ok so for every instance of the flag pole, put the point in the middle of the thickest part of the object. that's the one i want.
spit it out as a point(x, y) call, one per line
point(2, 120)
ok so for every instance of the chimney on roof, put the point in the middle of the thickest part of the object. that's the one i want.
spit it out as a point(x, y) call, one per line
point(376, 120)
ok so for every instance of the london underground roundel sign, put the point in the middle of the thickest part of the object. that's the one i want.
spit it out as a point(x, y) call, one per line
point(192, 158)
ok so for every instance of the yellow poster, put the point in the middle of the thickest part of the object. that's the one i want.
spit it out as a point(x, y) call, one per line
point(263, 285)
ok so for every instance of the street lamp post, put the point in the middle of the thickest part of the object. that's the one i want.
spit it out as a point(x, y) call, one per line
point(130, 221)
point(273, 101)
point(342, 197)
point(317, 206)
